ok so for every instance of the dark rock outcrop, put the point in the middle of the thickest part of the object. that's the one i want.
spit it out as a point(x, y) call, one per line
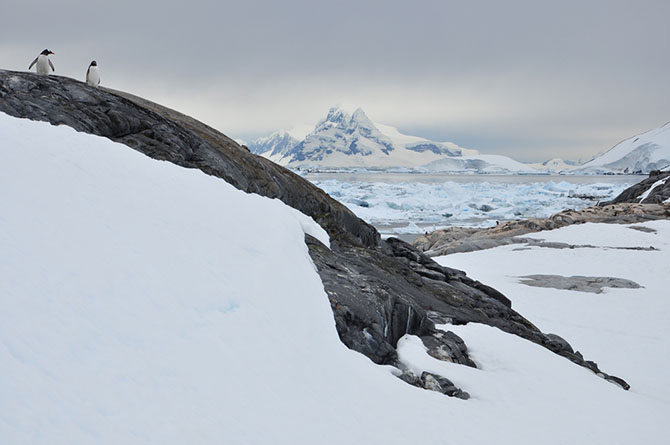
point(165, 134)
point(643, 193)
point(378, 290)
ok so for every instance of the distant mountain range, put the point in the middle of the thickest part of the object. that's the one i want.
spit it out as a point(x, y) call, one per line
point(638, 154)
point(352, 140)
point(344, 140)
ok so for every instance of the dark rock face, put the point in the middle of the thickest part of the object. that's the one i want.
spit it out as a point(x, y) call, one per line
point(164, 134)
point(635, 194)
point(378, 290)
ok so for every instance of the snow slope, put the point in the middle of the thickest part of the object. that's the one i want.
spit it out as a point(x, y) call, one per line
point(643, 153)
point(627, 329)
point(142, 302)
point(346, 139)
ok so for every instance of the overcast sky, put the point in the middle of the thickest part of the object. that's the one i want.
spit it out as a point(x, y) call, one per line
point(530, 79)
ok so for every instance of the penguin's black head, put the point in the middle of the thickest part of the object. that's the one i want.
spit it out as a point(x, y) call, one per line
point(94, 63)
point(46, 52)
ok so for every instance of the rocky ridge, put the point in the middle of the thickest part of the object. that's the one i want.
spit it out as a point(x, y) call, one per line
point(653, 190)
point(379, 290)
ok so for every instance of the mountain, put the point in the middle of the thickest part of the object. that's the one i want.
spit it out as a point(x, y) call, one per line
point(639, 154)
point(555, 165)
point(353, 140)
point(277, 145)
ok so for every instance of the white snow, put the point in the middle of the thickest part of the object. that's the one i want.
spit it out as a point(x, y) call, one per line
point(141, 302)
point(645, 152)
point(647, 192)
point(554, 165)
point(349, 139)
point(627, 331)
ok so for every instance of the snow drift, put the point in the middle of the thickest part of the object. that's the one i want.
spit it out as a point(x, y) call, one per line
point(143, 302)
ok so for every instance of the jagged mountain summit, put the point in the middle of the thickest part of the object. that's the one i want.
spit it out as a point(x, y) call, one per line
point(275, 146)
point(353, 140)
point(639, 154)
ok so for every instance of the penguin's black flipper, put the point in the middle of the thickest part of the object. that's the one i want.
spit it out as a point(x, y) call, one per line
point(51, 65)
point(33, 64)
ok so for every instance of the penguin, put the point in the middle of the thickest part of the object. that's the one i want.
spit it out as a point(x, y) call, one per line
point(92, 75)
point(43, 63)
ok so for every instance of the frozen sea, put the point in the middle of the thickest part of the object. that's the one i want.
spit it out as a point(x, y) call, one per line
point(411, 203)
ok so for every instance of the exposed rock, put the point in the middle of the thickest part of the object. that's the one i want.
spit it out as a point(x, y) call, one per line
point(433, 382)
point(643, 229)
point(378, 290)
point(653, 190)
point(460, 239)
point(559, 342)
point(578, 283)
point(441, 384)
point(165, 134)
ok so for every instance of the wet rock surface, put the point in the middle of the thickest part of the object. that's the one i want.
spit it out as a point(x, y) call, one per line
point(378, 290)
point(578, 283)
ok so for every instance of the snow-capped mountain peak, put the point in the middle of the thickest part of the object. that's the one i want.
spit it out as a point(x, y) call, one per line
point(350, 139)
point(277, 144)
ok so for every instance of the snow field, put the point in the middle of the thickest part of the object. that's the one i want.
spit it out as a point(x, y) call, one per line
point(625, 330)
point(143, 302)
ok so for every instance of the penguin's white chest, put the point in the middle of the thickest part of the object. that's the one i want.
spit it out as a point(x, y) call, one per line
point(93, 77)
point(43, 64)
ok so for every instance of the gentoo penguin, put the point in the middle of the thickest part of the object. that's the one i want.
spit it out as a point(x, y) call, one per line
point(92, 75)
point(43, 63)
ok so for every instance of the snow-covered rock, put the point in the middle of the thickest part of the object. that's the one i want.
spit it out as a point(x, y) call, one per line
point(638, 154)
point(653, 190)
point(352, 140)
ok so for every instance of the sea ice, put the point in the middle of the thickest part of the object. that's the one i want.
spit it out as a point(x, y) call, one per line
point(477, 203)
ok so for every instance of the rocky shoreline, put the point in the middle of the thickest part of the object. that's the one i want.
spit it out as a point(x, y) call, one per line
point(467, 239)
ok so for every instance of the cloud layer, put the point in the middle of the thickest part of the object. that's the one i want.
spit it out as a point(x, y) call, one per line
point(530, 79)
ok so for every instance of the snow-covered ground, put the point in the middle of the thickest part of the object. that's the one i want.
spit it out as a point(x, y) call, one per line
point(627, 331)
point(423, 203)
point(141, 302)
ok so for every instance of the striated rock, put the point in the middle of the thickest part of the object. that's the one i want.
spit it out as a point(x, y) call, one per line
point(653, 190)
point(378, 290)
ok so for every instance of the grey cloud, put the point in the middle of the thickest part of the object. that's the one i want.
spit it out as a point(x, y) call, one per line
point(543, 79)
